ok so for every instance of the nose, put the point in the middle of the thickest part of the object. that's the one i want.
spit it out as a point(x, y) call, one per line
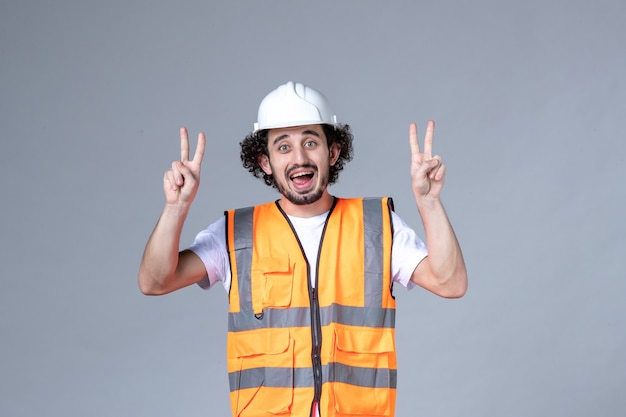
point(299, 155)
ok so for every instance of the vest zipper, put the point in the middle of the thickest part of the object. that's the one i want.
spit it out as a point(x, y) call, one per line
point(316, 345)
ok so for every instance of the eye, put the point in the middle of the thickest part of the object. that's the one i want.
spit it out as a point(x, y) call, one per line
point(283, 148)
point(310, 143)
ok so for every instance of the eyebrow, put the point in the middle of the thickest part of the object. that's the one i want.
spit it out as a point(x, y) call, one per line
point(305, 132)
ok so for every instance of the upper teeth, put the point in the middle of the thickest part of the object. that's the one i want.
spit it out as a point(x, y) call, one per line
point(300, 174)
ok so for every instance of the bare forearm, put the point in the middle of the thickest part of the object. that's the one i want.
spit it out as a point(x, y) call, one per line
point(160, 257)
point(445, 258)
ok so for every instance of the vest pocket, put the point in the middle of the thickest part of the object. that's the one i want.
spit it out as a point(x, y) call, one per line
point(273, 283)
point(361, 374)
point(264, 382)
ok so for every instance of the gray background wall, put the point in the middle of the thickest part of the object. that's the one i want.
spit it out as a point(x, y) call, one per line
point(529, 99)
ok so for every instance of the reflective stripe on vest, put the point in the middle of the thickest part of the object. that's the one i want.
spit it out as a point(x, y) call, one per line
point(279, 377)
point(269, 343)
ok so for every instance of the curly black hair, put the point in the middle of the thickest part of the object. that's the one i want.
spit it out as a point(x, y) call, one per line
point(255, 145)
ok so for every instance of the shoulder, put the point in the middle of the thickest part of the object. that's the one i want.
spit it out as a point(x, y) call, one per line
point(246, 214)
point(213, 234)
point(266, 204)
point(387, 201)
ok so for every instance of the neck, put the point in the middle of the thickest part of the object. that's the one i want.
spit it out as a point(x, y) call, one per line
point(307, 210)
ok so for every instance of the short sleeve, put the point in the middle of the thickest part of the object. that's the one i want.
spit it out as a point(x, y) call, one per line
point(210, 246)
point(408, 250)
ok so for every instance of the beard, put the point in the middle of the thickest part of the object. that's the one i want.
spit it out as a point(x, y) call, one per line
point(306, 198)
point(301, 199)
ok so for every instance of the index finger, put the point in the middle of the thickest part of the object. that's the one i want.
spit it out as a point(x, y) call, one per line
point(197, 157)
point(184, 144)
point(428, 139)
point(413, 142)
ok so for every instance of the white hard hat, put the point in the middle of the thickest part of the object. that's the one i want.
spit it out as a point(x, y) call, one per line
point(293, 104)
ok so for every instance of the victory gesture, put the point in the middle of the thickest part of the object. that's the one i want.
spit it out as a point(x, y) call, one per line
point(427, 171)
point(180, 183)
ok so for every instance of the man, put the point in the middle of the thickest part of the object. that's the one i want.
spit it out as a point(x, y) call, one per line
point(309, 276)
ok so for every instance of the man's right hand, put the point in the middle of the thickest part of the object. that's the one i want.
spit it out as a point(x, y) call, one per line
point(180, 183)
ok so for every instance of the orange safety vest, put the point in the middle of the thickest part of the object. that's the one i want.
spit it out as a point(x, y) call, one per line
point(290, 345)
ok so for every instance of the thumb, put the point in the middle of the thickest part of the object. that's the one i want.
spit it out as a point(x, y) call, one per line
point(428, 166)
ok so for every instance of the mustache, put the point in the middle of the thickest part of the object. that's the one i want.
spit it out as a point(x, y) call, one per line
point(293, 168)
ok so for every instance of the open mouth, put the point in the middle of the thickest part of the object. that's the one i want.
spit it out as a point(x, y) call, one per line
point(302, 178)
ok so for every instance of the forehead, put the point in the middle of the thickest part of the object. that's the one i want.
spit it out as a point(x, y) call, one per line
point(295, 131)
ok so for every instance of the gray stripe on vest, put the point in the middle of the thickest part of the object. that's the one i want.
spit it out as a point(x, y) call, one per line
point(243, 220)
point(272, 317)
point(363, 377)
point(303, 377)
point(271, 377)
point(374, 255)
point(375, 317)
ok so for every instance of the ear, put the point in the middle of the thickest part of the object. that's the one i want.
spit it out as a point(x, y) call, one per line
point(335, 151)
point(264, 163)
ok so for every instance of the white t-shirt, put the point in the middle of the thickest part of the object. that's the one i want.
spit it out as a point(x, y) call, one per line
point(408, 250)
